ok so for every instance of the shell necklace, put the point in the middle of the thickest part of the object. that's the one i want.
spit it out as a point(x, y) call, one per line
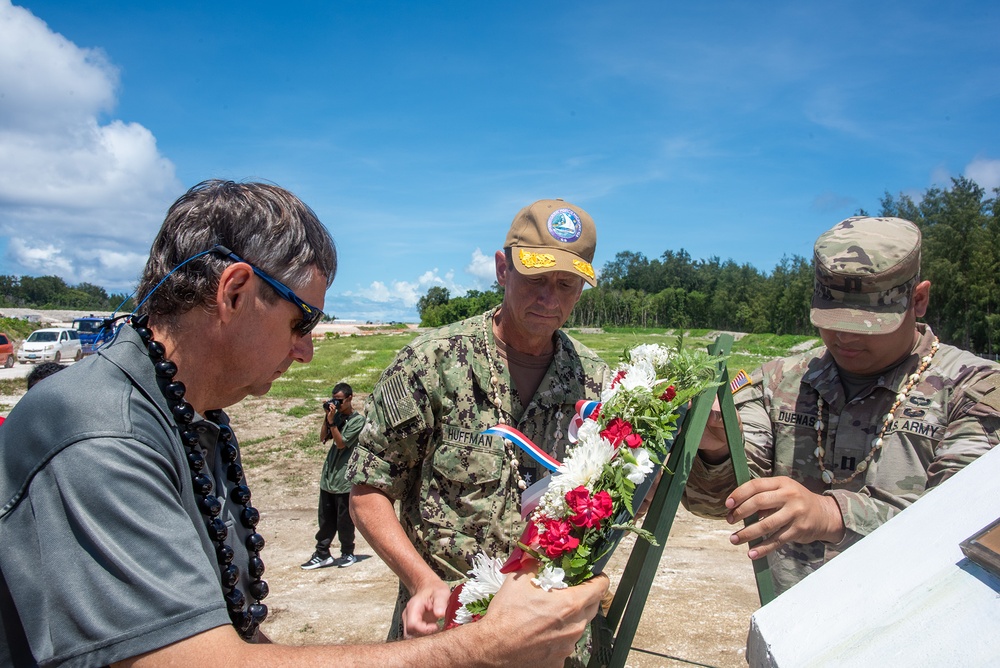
point(245, 618)
point(877, 444)
point(495, 395)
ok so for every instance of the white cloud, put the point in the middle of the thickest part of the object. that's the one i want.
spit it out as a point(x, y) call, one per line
point(985, 172)
point(482, 267)
point(403, 295)
point(46, 71)
point(78, 198)
point(41, 259)
point(406, 293)
point(376, 292)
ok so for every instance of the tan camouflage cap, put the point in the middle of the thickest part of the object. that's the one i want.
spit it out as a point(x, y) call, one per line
point(865, 272)
point(553, 235)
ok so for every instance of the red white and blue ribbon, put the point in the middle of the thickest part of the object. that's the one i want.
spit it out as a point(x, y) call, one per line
point(523, 442)
point(586, 408)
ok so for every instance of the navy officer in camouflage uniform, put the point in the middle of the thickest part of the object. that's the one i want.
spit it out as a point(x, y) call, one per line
point(843, 437)
point(459, 490)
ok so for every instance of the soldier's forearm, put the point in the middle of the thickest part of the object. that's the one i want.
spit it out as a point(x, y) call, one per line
point(376, 519)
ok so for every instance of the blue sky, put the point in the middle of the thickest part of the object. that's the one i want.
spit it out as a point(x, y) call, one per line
point(416, 130)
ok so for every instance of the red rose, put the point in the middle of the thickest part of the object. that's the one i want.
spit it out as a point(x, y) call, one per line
point(617, 431)
point(518, 556)
point(633, 440)
point(557, 539)
point(669, 394)
point(588, 510)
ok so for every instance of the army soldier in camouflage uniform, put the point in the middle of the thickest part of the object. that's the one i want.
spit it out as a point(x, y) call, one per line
point(842, 438)
point(459, 490)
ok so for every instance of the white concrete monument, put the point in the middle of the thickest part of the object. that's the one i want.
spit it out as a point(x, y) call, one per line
point(904, 596)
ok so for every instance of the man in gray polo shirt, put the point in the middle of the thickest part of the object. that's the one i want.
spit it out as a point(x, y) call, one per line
point(127, 528)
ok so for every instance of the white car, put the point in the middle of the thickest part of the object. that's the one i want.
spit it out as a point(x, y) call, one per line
point(50, 345)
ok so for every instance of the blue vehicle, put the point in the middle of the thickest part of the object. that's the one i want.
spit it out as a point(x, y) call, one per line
point(92, 334)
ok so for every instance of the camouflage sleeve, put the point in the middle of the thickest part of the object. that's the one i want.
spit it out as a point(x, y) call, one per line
point(755, 421)
point(602, 374)
point(709, 484)
point(707, 488)
point(971, 432)
point(973, 428)
point(399, 422)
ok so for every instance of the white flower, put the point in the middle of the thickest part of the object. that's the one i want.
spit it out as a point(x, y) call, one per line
point(640, 374)
point(643, 466)
point(655, 354)
point(628, 376)
point(584, 463)
point(462, 615)
point(553, 504)
point(486, 579)
point(608, 394)
point(550, 578)
point(588, 431)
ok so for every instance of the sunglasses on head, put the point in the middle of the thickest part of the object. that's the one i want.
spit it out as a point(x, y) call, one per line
point(310, 314)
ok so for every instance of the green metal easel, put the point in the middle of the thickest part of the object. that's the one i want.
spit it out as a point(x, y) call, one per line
point(613, 634)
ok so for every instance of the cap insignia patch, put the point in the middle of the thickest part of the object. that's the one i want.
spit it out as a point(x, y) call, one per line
point(584, 268)
point(564, 225)
point(534, 260)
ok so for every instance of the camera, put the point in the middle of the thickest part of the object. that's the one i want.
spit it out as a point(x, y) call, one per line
point(332, 402)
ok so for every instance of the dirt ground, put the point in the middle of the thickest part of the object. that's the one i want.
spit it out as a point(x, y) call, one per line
point(698, 611)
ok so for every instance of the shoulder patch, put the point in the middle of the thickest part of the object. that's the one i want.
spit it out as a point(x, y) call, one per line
point(396, 400)
point(987, 391)
point(739, 381)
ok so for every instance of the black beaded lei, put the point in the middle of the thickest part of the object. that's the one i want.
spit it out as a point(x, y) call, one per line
point(245, 618)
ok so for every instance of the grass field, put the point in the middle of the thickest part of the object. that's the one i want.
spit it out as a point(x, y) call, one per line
point(359, 360)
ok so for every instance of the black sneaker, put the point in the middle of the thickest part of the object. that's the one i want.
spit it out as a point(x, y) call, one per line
point(346, 560)
point(317, 561)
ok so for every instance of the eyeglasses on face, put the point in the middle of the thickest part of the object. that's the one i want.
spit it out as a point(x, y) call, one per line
point(310, 314)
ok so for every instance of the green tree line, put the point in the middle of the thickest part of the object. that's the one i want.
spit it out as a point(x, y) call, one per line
point(438, 307)
point(52, 292)
point(961, 258)
point(676, 291)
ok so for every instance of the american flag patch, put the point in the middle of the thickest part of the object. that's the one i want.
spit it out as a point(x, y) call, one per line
point(399, 405)
point(739, 381)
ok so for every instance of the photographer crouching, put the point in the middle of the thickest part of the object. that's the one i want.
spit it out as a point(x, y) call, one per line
point(342, 424)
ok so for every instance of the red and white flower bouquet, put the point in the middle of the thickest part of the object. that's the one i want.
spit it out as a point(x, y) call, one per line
point(577, 516)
